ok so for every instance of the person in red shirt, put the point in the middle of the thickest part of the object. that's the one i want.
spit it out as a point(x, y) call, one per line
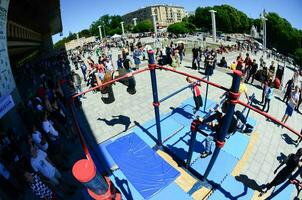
point(196, 94)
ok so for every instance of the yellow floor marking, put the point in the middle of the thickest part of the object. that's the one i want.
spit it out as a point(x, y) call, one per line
point(242, 162)
point(185, 181)
point(256, 193)
point(202, 193)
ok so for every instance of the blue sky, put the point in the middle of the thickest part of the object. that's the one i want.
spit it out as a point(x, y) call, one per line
point(79, 14)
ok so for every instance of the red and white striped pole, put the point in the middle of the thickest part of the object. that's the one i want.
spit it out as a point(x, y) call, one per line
point(98, 187)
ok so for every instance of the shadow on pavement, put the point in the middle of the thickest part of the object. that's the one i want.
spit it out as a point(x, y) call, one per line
point(288, 139)
point(251, 183)
point(120, 119)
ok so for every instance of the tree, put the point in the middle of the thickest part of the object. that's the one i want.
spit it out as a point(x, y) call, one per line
point(181, 28)
point(144, 26)
point(228, 19)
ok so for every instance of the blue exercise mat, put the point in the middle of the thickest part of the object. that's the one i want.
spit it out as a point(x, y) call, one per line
point(179, 144)
point(223, 166)
point(232, 189)
point(142, 166)
point(236, 145)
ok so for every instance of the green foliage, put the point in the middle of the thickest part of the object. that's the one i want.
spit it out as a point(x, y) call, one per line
point(228, 19)
point(181, 28)
point(144, 26)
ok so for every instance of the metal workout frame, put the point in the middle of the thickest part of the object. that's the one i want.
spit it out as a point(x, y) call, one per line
point(233, 99)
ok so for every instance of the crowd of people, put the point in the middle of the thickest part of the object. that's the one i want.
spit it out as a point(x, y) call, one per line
point(35, 160)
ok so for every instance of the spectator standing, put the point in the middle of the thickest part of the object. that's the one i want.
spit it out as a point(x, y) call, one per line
point(136, 58)
point(40, 163)
point(39, 139)
point(243, 88)
point(84, 70)
point(120, 62)
point(288, 89)
point(37, 186)
point(195, 59)
point(293, 102)
point(268, 96)
point(252, 72)
point(48, 128)
point(77, 81)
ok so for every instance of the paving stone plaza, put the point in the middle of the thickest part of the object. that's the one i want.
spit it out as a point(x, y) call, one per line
point(273, 143)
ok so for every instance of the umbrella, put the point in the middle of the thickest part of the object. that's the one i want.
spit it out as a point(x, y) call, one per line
point(116, 36)
point(179, 42)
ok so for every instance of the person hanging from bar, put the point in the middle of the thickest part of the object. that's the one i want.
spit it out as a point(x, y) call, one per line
point(238, 123)
point(196, 94)
point(291, 163)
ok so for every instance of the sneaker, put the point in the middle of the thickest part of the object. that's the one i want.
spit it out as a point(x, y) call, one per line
point(204, 154)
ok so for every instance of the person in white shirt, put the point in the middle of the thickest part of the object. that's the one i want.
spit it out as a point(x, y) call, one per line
point(40, 163)
point(47, 125)
point(292, 103)
point(38, 139)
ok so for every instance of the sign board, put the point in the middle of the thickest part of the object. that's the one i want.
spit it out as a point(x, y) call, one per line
point(7, 82)
point(5, 105)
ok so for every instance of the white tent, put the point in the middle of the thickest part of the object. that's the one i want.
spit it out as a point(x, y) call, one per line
point(116, 36)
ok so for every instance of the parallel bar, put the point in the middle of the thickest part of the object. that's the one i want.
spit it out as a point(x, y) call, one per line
point(194, 77)
point(112, 81)
point(174, 93)
point(155, 96)
point(270, 117)
point(225, 124)
point(191, 147)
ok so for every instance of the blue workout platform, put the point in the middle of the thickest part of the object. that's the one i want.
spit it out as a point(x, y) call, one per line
point(140, 173)
point(142, 166)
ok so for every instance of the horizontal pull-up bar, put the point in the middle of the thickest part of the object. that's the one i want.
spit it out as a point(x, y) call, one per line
point(112, 81)
point(174, 93)
point(194, 77)
point(270, 117)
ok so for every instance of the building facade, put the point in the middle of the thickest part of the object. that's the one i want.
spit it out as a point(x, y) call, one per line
point(165, 14)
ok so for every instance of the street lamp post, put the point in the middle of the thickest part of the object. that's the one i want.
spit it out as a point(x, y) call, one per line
point(213, 24)
point(155, 28)
point(264, 32)
point(100, 31)
point(123, 30)
point(134, 21)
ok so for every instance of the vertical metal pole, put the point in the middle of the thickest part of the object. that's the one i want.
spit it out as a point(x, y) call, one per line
point(155, 29)
point(155, 95)
point(226, 123)
point(192, 143)
point(275, 193)
point(206, 98)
